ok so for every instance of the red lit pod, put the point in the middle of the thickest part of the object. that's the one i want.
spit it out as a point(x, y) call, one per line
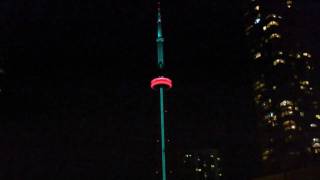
point(161, 81)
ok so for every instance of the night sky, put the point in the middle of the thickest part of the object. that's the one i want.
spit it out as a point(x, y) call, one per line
point(77, 102)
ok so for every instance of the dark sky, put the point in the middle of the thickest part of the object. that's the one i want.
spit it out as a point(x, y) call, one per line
point(76, 92)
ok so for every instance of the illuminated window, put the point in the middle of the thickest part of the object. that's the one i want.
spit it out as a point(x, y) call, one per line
point(304, 85)
point(313, 125)
point(305, 54)
point(258, 98)
point(298, 56)
point(286, 103)
point(257, 20)
point(304, 82)
point(267, 104)
point(266, 154)
point(280, 53)
point(308, 67)
point(271, 15)
point(289, 125)
point(257, 55)
point(264, 28)
point(278, 61)
point(272, 23)
point(286, 113)
point(289, 3)
point(212, 165)
point(271, 119)
point(198, 170)
point(257, 8)
point(316, 145)
point(259, 85)
point(302, 114)
point(317, 116)
point(275, 35)
point(274, 87)
point(188, 155)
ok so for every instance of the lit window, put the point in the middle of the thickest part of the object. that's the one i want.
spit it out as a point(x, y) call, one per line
point(212, 166)
point(274, 87)
point(218, 158)
point(289, 3)
point(309, 67)
point(272, 23)
point(271, 119)
point(304, 82)
point(257, 55)
point(257, 8)
point(198, 170)
point(257, 20)
point(304, 85)
point(264, 28)
point(298, 56)
point(302, 114)
point(306, 54)
point(313, 125)
point(317, 116)
point(271, 15)
point(278, 61)
point(275, 35)
point(286, 103)
point(257, 99)
point(280, 53)
point(266, 154)
point(286, 113)
point(259, 85)
point(289, 125)
point(267, 104)
point(188, 155)
point(316, 145)
point(205, 175)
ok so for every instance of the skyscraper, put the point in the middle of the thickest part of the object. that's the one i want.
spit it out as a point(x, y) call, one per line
point(2, 72)
point(285, 88)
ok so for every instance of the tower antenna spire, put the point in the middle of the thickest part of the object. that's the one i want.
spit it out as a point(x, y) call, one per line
point(161, 84)
point(160, 39)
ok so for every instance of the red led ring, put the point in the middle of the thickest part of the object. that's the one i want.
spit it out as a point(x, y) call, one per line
point(161, 81)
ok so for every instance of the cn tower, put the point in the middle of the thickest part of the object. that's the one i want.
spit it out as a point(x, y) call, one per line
point(160, 84)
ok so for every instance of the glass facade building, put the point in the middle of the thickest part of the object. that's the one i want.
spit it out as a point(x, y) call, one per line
point(286, 89)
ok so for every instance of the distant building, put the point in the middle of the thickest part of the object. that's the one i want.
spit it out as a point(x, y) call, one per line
point(299, 174)
point(286, 86)
point(2, 72)
point(200, 165)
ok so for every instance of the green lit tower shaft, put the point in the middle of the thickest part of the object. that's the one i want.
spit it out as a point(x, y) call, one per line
point(161, 83)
